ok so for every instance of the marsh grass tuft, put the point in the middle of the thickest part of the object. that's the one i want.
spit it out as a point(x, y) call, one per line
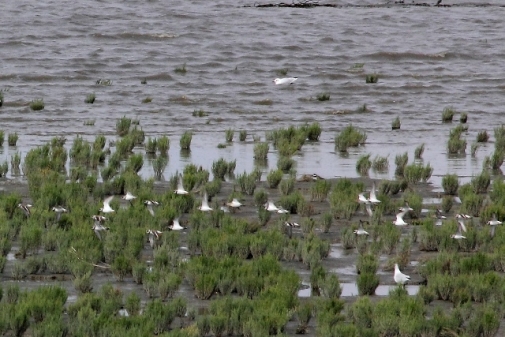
point(274, 177)
point(89, 122)
point(349, 137)
point(15, 161)
point(323, 97)
point(313, 131)
point(285, 163)
point(123, 126)
point(463, 118)
point(363, 164)
point(163, 144)
point(473, 149)
point(159, 165)
point(261, 151)
point(447, 114)
point(181, 70)
point(148, 99)
point(229, 135)
point(90, 98)
point(418, 152)
point(37, 104)
point(395, 125)
point(1, 98)
point(242, 135)
point(380, 164)
point(482, 137)
point(450, 184)
point(401, 161)
point(12, 139)
point(185, 141)
point(199, 113)
point(282, 71)
point(2, 137)
point(372, 78)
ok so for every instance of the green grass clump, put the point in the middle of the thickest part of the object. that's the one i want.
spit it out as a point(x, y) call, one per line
point(37, 104)
point(163, 144)
point(159, 165)
point(372, 78)
point(380, 164)
point(482, 137)
point(90, 98)
point(242, 135)
point(349, 137)
point(463, 118)
point(12, 139)
point(401, 161)
point(261, 151)
point(229, 135)
point(313, 131)
point(2, 137)
point(418, 152)
point(447, 114)
point(185, 141)
point(282, 71)
point(481, 182)
point(151, 146)
point(148, 99)
point(1, 98)
point(274, 177)
point(199, 113)
point(15, 161)
point(363, 164)
point(450, 184)
point(123, 126)
point(181, 70)
point(323, 97)
point(320, 189)
point(285, 163)
point(395, 124)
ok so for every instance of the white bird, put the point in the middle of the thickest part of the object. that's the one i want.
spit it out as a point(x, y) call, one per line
point(282, 210)
point(106, 205)
point(399, 277)
point(360, 230)
point(373, 197)
point(235, 203)
point(493, 223)
point(180, 187)
point(224, 208)
point(270, 206)
point(362, 199)
point(369, 210)
point(154, 237)
point(149, 204)
point(205, 204)
point(463, 216)
point(99, 228)
point(399, 220)
point(176, 226)
point(285, 80)
point(461, 228)
point(405, 208)
point(25, 208)
point(291, 224)
point(128, 197)
point(59, 210)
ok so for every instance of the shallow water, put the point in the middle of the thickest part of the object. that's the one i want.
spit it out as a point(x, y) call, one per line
point(351, 290)
point(427, 58)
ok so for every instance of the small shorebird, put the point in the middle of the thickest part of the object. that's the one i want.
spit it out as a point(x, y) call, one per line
point(373, 197)
point(59, 210)
point(316, 177)
point(461, 228)
point(180, 187)
point(399, 220)
point(438, 215)
point(106, 205)
point(360, 230)
point(176, 226)
point(129, 197)
point(25, 208)
point(149, 204)
point(205, 204)
point(493, 223)
point(285, 80)
point(399, 277)
point(154, 237)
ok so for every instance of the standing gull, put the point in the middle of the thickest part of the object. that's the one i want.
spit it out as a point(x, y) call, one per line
point(399, 277)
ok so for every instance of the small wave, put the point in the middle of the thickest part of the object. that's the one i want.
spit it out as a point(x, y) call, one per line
point(135, 36)
point(407, 55)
